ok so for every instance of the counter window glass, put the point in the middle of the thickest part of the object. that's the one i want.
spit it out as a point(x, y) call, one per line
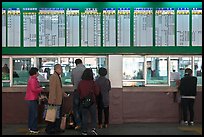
point(46, 67)
point(198, 69)
point(95, 63)
point(133, 71)
point(21, 67)
point(157, 70)
point(67, 63)
point(5, 69)
point(184, 62)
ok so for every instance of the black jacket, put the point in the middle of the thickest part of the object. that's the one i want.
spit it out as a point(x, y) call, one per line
point(188, 86)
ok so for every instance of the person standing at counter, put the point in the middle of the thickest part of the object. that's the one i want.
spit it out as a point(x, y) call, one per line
point(103, 98)
point(76, 78)
point(188, 91)
point(85, 87)
point(56, 95)
point(32, 92)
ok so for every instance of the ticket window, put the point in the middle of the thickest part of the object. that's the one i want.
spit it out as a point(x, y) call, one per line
point(157, 70)
point(46, 67)
point(21, 67)
point(93, 62)
point(133, 71)
point(198, 69)
point(5, 72)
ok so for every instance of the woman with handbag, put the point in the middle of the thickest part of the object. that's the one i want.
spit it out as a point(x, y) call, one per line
point(88, 90)
point(32, 92)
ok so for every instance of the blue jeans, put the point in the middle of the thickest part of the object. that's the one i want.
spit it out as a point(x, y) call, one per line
point(85, 116)
point(32, 114)
point(76, 108)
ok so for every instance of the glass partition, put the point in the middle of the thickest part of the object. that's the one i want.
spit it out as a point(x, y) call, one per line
point(67, 63)
point(157, 70)
point(46, 67)
point(133, 71)
point(95, 63)
point(198, 69)
point(5, 69)
point(21, 67)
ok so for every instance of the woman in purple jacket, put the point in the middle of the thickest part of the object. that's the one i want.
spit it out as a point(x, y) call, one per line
point(32, 92)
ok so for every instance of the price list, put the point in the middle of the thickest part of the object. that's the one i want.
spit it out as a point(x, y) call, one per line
point(91, 27)
point(29, 27)
point(164, 27)
point(197, 27)
point(182, 30)
point(72, 29)
point(143, 26)
point(123, 27)
point(3, 27)
point(109, 27)
point(51, 27)
point(13, 23)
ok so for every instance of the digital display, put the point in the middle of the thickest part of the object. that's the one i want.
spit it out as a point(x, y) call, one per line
point(72, 27)
point(164, 27)
point(123, 27)
point(51, 27)
point(183, 27)
point(3, 27)
point(143, 27)
point(13, 27)
point(91, 28)
point(197, 27)
point(109, 27)
point(29, 27)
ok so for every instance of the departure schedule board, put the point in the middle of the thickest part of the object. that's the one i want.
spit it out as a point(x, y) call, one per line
point(123, 27)
point(109, 27)
point(143, 27)
point(29, 27)
point(91, 28)
point(197, 27)
point(72, 27)
point(164, 27)
point(13, 28)
point(51, 27)
point(3, 27)
point(183, 27)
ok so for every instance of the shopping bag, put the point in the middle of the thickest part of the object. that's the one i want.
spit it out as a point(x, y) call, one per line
point(51, 113)
point(63, 122)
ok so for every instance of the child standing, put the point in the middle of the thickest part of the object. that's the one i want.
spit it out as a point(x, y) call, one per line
point(103, 98)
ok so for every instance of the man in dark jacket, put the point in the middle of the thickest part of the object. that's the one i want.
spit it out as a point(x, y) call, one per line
point(188, 90)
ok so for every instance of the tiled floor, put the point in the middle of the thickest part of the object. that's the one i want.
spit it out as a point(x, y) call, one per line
point(118, 129)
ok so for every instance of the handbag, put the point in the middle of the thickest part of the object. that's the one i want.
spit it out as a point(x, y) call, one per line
point(51, 113)
point(87, 101)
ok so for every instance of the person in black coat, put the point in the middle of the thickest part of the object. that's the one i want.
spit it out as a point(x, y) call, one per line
point(188, 91)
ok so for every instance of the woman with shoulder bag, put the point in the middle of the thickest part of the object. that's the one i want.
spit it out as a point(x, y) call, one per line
point(88, 87)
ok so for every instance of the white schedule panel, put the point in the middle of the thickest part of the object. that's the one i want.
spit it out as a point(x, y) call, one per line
point(109, 27)
point(3, 27)
point(197, 27)
point(183, 28)
point(123, 27)
point(72, 29)
point(143, 27)
point(29, 27)
point(164, 27)
point(51, 27)
point(91, 28)
point(13, 23)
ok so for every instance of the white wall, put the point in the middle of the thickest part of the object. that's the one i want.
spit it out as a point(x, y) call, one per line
point(115, 70)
